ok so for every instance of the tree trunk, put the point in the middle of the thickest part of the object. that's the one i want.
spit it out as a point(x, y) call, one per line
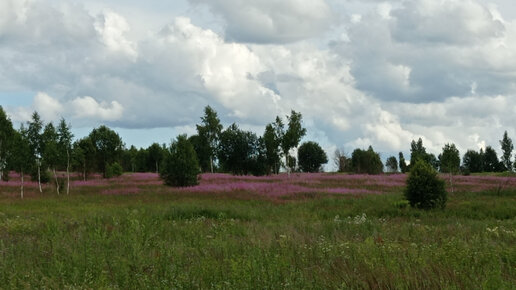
point(21, 193)
point(451, 181)
point(287, 165)
point(67, 172)
point(211, 163)
point(157, 169)
point(57, 181)
point(39, 176)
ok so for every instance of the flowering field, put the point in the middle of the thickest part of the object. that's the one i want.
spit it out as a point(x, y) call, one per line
point(318, 231)
point(276, 186)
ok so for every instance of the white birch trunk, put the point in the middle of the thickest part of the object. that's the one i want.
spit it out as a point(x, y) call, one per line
point(57, 181)
point(21, 193)
point(211, 163)
point(39, 176)
point(67, 172)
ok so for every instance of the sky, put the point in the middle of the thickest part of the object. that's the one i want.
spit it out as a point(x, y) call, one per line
point(361, 72)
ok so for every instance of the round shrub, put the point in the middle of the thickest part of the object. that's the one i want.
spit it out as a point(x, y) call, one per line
point(180, 167)
point(311, 157)
point(114, 170)
point(424, 189)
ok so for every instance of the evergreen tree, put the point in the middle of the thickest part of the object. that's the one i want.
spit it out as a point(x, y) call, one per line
point(403, 163)
point(180, 166)
point(424, 188)
point(507, 147)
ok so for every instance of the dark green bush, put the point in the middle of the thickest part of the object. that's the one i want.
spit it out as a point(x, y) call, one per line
point(114, 170)
point(424, 188)
point(180, 167)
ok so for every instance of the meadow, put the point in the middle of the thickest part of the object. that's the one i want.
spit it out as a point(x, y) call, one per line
point(309, 231)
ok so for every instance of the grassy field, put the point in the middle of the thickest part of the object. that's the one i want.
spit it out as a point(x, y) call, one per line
point(312, 231)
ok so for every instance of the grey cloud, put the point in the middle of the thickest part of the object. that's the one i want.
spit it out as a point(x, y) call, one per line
point(272, 21)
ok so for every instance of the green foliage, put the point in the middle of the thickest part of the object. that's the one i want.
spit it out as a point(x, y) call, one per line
point(424, 189)
point(241, 152)
point(311, 157)
point(366, 161)
point(108, 147)
point(83, 156)
point(403, 163)
point(203, 151)
point(209, 132)
point(473, 161)
point(114, 170)
point(449, 159)
point(6, 137)
point(392, 164)
point(491, 162)
point(291, 138)
point(180, 166)
point(272, 142)
point(507, 147)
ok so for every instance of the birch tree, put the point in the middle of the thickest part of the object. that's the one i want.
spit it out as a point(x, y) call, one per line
point(64, 143)
point(35, 145)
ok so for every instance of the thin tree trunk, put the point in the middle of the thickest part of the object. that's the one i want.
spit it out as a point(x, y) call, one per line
point(57, 181)
point(211, 163)
point(287, 166)
point(39, 176)
point(67, 172)
point(21, 193)
point(157, 169)
point(451, 181)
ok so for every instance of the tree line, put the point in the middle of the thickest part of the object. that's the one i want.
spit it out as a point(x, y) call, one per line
point(42, 150)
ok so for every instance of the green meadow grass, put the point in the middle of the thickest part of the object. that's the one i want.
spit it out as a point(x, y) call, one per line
point(230, 241)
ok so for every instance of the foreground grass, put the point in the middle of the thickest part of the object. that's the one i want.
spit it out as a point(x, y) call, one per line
point(226, 241)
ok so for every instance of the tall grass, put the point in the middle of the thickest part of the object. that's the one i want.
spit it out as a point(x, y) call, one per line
point(160, 238)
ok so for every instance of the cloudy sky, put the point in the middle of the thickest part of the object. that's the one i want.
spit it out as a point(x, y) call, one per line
point(360, 71)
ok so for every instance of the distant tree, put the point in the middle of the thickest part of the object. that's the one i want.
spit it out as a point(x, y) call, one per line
point(108, 147)
point(209, 131)
point(156, 155)
point(241, 152)
point(50, 150)
point(129, 159)
point(22, 158)
point(366, 161)
point(114, 170)
point(341, 161)
point(64, 143)
point(272, 142)
point(507, 147)
point(180, 166)
point(491, 162)
point(418, 152)
point(203, 151)
point(392, 164)
point(34, 128)
point(424, 188)
point(450, 161)
point(403, 163)
point(311, 157)
point(6, 143)
point(83, 156)
point(291, 138)
point(473, 161)
point(433, 161)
